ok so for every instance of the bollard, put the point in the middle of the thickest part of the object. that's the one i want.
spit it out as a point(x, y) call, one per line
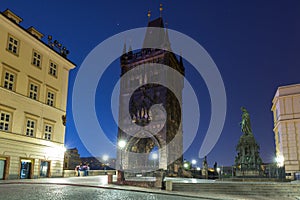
point(109, 178)
point(169, 186)
point(120, 177)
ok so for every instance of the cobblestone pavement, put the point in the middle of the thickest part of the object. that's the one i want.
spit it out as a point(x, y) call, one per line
point(81, 188)
point(96, 187)
point(68, 192)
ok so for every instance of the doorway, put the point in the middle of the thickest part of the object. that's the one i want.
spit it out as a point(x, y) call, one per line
point(44, 169)
point(2, 169)
point(25, 171)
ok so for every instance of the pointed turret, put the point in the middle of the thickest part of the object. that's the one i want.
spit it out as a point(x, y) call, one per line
point(167, 43)
point(130, 49)
point(180, 61)
point(124, 48)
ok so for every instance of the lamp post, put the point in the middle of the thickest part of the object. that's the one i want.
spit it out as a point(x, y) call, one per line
point(218, 170)
point(105, 159)
point(194, 165)
point(194, 162)
point(186, 165)
point(121, 144)
point(280, 163)
point(154, 157)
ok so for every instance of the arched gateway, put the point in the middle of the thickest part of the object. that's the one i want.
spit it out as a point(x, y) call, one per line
point(150, 148)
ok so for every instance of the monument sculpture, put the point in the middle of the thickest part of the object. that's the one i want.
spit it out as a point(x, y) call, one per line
point(205, 168)
point(247, 161)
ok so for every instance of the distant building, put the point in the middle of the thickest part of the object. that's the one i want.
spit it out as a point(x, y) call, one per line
point(72, 158)
point(93, 162)
point(286, 110)
point(98, 163)
point(111, 162)
point(33, 98)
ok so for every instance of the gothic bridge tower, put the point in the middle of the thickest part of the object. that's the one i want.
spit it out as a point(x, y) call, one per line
point(169, 155)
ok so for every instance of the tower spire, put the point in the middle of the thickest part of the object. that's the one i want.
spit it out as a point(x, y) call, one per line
point(160, 9)
point(167, 43)
point(130, 49)
point(124, 48)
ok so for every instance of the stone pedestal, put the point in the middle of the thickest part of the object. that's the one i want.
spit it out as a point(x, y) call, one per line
point(169, 186)
point(109, 178)
point(160, 183)
point(248, 173)
point(120, 177)
point(204, 173)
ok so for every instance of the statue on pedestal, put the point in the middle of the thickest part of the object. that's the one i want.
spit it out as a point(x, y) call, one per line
point(247, 161)
point(245, 124)
point(205, 168)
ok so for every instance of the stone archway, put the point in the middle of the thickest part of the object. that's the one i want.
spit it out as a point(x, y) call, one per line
point(138, 150)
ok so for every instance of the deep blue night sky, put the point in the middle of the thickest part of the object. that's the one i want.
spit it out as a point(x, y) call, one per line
point(255, 44)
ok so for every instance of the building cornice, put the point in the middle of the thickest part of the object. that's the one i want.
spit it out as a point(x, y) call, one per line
point(25, 31)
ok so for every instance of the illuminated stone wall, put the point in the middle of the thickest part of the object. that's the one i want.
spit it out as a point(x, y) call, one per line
point(286, 110)
point(18, 104)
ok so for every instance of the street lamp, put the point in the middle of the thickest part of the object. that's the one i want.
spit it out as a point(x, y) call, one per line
point(186, 165)
point(198, 171)
point(105, 159)
point(193, 165)
point(218, 170)
point(194, 162)
point(280, 163)
point(121, 144)
point(154, 157)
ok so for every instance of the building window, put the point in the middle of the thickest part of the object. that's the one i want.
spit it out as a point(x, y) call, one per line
point(50, 98)
point(36, 59)
point(30, 127)
point(13, 45)
point(277, 114)
point(33, 91)
point(48, 131)
point(53, 69)
point(5, 119)
point(9, 80)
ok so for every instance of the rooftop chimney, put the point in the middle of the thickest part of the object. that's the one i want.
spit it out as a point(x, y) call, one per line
point(35, 32)
point(12, 16)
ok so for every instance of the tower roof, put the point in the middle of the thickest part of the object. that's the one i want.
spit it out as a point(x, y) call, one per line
point(156, 23)
point(156, 37)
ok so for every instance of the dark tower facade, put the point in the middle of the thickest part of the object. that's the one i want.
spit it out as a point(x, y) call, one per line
point(144, 97)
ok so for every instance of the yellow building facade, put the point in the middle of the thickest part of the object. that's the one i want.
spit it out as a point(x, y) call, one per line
point(286, 110)
point(33, 98)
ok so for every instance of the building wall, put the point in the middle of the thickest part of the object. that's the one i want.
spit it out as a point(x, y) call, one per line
point(15, 145)
point(72, 159)
point(286, 110)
